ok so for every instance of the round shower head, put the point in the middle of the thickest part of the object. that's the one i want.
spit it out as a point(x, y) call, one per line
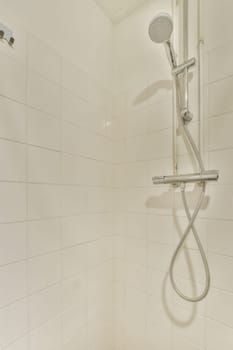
point(160, 28)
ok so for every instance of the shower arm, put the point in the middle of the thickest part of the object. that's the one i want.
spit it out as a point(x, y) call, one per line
point(170, 53)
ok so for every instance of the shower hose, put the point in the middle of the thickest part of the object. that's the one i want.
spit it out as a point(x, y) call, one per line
point(191, 220)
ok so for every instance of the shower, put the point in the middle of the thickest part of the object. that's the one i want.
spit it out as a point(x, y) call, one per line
point(160, 31)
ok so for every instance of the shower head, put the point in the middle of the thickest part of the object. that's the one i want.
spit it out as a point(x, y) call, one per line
point(161, 28)
point(160, 31)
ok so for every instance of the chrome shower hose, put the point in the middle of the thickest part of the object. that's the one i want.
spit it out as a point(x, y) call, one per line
point(191, 227)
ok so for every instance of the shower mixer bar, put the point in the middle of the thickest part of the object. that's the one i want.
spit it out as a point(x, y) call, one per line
point(211, 175)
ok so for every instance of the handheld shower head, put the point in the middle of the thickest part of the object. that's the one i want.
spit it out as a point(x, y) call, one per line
point(161, 28)
point(160, 31)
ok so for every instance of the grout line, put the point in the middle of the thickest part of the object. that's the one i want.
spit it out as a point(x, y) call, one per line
point(156, 270)
point(53, 184)
point(57, 151)
point(57, 283)
point(22, 336)
point(219, 115)
point(55, 251)
point(57, 217)
point(27, 189)
point(228, 77)
point(57, 118)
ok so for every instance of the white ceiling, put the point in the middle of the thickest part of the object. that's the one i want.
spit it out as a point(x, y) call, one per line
point(116, 10)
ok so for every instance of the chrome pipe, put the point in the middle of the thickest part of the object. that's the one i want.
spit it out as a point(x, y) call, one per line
point(171, 54)
point(211, 175)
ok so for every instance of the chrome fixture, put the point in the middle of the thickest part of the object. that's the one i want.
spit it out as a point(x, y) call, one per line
point(6, 34)
point(211, 175)
point(160, 31)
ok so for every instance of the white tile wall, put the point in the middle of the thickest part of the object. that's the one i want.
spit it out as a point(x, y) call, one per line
point(13, 242)
point(43, 59)
point(13, 83)
point(13, 120)
point(218, 335)
point(48, 336)
point(74, 260)
point(44, 201)
point(149, 221)
point(13, 156)
point(44, 306)
point(12, 202)
point(44, 166)
point(43, 130)
point(43, 94)
point(67, 165)
point(13, 277)
point(75, 80)
point(43, 236)
point(14, 322)
point(56, 221)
